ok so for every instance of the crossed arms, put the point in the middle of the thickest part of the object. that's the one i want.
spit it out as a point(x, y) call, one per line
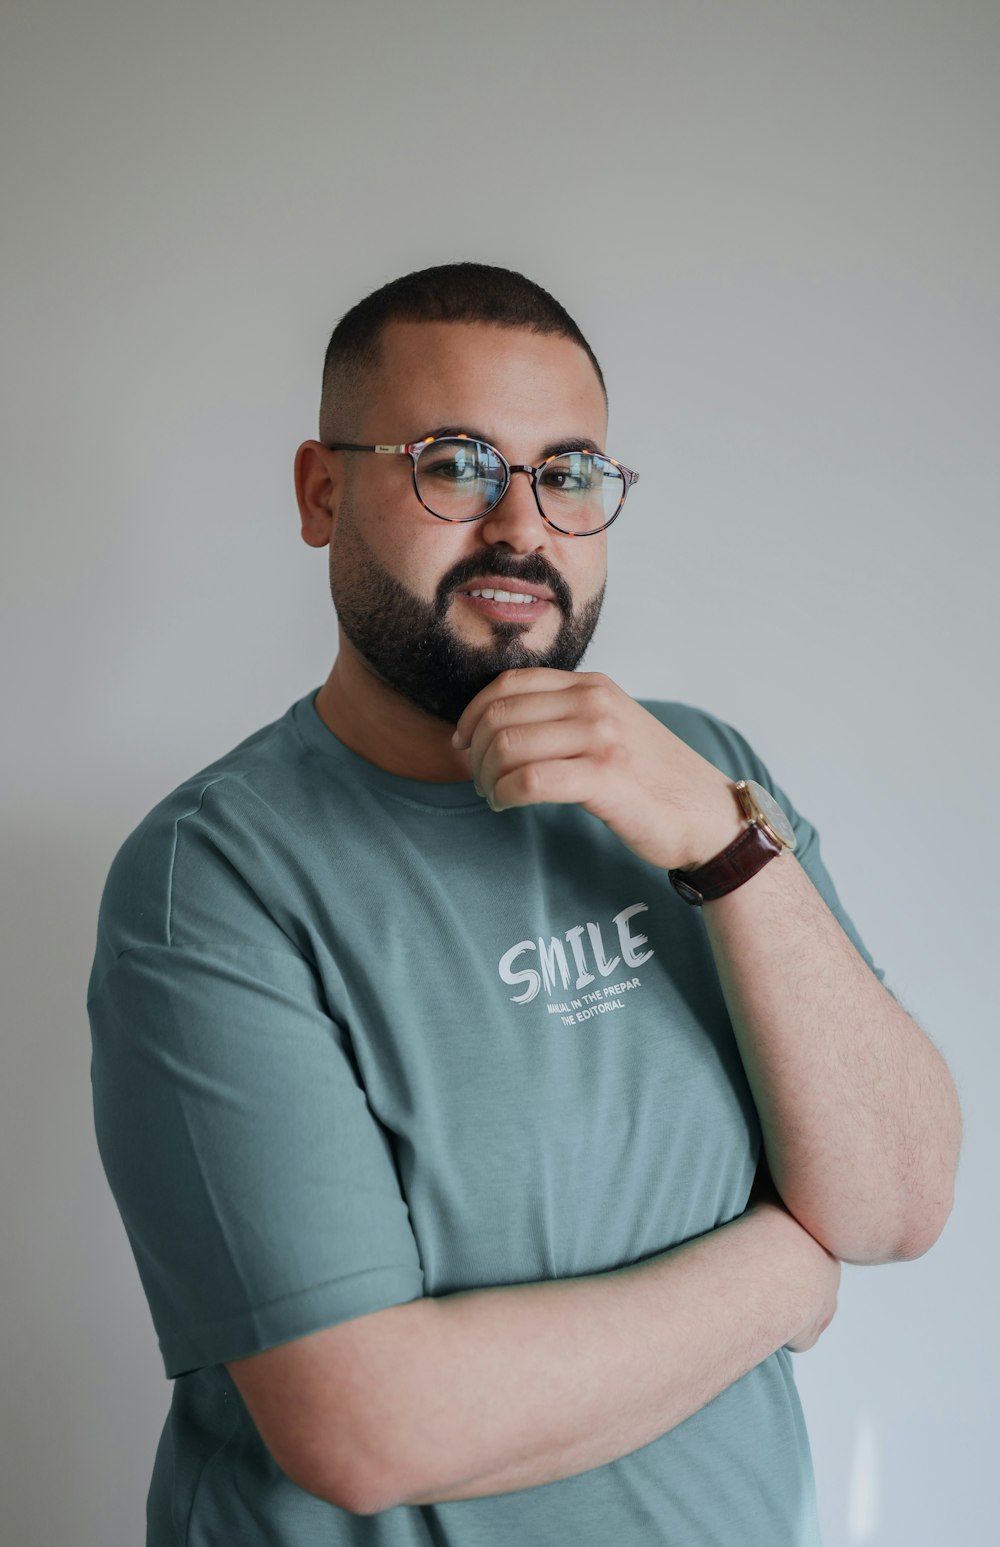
point(493, 1390)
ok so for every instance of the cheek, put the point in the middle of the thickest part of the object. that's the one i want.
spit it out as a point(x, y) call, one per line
point(419, 555)
point(396, 536)
point(588, 583)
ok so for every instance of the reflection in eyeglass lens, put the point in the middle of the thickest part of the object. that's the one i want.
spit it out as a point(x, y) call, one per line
point(462, 468)
point(579, 490)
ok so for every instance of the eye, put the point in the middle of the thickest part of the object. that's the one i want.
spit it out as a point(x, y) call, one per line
point(571, 474)
point(453, 469)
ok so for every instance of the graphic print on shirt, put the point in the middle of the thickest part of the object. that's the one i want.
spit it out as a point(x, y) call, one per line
point(543, 964)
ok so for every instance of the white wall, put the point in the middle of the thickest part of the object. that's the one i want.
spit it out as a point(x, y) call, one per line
point(778, 226)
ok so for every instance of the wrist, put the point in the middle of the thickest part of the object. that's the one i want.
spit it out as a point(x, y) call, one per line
point(765, 832)
point(718, 825)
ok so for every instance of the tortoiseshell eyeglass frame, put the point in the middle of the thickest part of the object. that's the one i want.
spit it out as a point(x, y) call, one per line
point(414, 448)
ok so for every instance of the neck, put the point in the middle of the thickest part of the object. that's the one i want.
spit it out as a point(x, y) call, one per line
point(377, 723)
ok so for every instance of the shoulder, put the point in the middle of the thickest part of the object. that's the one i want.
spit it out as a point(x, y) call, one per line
point(188, 867)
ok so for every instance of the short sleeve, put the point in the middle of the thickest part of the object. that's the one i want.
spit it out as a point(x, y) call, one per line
point(730, 751)
point(807, 850)
point(258, 1190)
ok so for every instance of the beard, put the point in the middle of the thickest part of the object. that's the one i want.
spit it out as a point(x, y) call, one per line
point(411, 646)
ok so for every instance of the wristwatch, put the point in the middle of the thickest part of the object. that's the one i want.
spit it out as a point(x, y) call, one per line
point(767, 834)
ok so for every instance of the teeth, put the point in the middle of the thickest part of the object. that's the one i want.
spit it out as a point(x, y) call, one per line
point(504, 596)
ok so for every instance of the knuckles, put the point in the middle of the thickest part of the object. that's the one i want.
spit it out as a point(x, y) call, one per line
point(532, 779)
point(611, 752)
point(495, 713)
point(601, 694)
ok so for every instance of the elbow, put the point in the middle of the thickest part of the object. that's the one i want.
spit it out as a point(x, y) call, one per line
point(378, 1494)
point(928, 1214)
point(346, 1492)
point(902, 1243)
point(359, 1483)
point(320, 1461)
point(878, 1238)
point(924, 1231)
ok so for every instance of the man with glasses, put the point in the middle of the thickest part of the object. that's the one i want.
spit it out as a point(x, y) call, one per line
point(449, 1029)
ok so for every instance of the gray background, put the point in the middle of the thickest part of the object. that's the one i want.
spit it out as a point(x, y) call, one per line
point(778, 226)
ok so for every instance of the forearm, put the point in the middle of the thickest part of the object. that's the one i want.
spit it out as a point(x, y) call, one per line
point(517, 1386)
point(859, 1113)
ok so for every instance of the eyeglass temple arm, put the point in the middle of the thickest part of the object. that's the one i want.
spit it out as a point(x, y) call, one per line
point(343, 445)
point(346, 445)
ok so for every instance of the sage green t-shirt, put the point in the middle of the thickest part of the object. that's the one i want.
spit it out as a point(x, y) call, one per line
point(358, 1039)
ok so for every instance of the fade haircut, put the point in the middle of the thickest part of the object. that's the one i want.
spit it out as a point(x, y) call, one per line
point(450, 292)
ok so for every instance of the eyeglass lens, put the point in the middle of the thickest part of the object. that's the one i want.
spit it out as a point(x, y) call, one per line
point(580, 491)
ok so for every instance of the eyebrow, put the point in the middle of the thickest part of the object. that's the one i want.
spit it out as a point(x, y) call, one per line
point(571, 443)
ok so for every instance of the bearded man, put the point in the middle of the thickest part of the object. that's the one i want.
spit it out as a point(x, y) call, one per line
point(489, 1078)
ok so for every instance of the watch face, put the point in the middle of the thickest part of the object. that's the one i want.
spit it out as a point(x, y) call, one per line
point(772, 813)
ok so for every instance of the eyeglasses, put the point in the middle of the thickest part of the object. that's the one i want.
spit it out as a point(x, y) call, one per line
point(578, 493)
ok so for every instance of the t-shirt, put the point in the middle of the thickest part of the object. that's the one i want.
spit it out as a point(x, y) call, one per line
point(358, 1039)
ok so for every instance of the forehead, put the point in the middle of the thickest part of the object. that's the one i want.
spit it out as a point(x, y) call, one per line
point(509, 381)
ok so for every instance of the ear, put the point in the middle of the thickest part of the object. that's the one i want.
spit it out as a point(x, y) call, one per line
point(319, 482)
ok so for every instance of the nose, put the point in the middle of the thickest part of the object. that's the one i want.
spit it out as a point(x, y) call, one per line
point(516, 519)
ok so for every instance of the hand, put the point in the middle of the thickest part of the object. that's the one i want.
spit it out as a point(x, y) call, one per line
point(538, 735)
point(823, 1267)
point(825, 1307)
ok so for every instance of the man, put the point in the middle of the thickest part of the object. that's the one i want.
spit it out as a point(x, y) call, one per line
point(441, 1027)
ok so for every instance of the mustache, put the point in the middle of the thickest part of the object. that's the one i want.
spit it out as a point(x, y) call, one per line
point(501, 570)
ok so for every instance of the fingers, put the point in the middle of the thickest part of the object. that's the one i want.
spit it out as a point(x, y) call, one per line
point(525, 692)
point(560, 781)
point(529, 743)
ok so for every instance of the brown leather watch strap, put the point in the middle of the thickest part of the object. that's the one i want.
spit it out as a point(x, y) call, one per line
point(728, 870)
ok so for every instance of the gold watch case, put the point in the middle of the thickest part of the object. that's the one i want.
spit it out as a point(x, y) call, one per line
point(760, 806)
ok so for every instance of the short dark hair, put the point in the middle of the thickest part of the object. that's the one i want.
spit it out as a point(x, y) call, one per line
point(450, 292)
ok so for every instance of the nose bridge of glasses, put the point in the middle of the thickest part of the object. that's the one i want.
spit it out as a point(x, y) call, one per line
point(531, 474)
point(536, 495)
point(508, 486)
